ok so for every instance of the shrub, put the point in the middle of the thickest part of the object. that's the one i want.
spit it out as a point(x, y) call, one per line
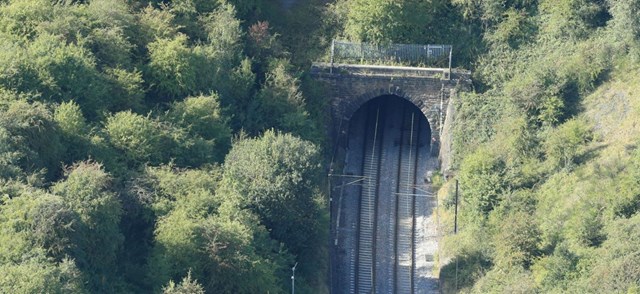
point(482, 180)
point(86, 191)
point(138, 137)
point(35, 139)
point(564, 145)
point(171, 69)
point(201, 117)
point(279, 104)
point(279, 188)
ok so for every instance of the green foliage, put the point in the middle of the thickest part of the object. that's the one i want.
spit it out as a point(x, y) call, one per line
point(41, 276)
point(61, 71)
point(512, 280)
point(482, 176)
point(137, 136)
point(625, 24)
point(171, 66)
point(32, 138)
point(69, 118)
point(515, 29)
point(155, 23)
point(86, 192)
point(38, 231)
point(221, 246)
point(192, 133)
point(223, 29)
point(279, 104)
point(76, 80)
point(201, 117)
point(516, 240)
point(542, 174)
point(473, 258)
point(476, 117)
point(572, 19)
point(372, 21)
point(563, 145)
point(553, 271)
point(163, 188)
point(127, 91)
point(74, 129)
point(186, 286)
point(491, 11)
point(177, 69)
point(9, 157)
point(615, 268)
point(276, 186)
point(382, 21)
point(236, 93)
point(39, 221)
point(21, 18)
point(540, 94)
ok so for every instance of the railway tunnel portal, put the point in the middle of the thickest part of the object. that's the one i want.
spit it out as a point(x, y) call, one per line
point(388, 129)
point(380, 209)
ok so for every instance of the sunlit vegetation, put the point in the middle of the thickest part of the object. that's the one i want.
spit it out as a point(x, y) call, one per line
point(157, 147)
point(546, 151)
point(178, 146)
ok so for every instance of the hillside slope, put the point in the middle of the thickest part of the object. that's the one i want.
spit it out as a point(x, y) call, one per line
point(550, 209)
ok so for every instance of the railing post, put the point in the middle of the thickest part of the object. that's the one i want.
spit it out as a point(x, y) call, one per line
point(450, 53)
point(333, 48)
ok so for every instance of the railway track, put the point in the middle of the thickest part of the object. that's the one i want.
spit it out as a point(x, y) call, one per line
point(405, 205)
point(377, 235)
point(366, 229)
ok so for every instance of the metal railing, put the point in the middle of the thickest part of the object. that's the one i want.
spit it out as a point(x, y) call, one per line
point(400, 54)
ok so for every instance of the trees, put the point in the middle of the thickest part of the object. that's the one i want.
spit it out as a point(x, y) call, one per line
point(33, 137)
point(563, 146)
point(186, 286)
point(38, 233)
point(202, 118)
point(530, 131)
point(199, 231)
point(172, 66)
point(86, 192)
point(280, 188)
point(178, 68)
point(138, 137)
point(383, 21)
point(624, 24)
point(39, 275)
point(74, 130)
point(112, 90)
point(482, 175)
point(279, 104)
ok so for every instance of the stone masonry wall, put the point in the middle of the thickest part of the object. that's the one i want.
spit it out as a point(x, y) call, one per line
point(349, 91)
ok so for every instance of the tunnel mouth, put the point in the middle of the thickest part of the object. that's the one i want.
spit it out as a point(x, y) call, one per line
point(390, 103)
point(383, 199)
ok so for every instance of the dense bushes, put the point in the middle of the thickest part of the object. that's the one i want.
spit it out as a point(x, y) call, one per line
point(32, 138)
point(222, 249)
point(115, 121)
point(546, 152)
point(276, 186)
point(136, 150)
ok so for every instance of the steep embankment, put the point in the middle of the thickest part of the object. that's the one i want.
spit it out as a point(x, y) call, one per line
point(576, 227)
point(614, 110)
